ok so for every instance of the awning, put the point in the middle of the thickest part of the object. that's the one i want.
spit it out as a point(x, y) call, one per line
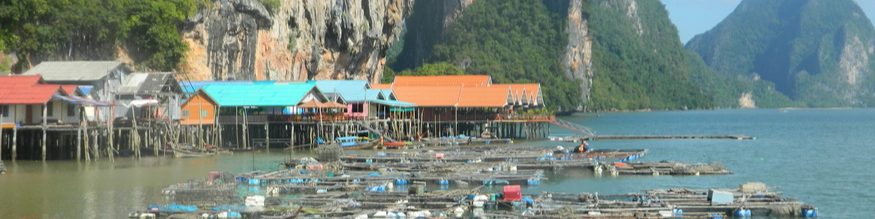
point(141, 103)
point(394, 103)
point(81, 101)
point(317, 104)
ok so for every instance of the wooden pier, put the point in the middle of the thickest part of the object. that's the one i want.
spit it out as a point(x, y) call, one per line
point(645, 137)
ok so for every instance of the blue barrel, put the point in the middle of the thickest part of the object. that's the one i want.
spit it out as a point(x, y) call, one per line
point(443, 182)
point(254, 181)
point(677, 212)
point(741, 212)
point(808, 212)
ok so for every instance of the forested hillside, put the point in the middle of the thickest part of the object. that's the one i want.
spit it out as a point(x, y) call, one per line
point(638, 61)
point(815, 52)
point(146, 30)
point(516, 41)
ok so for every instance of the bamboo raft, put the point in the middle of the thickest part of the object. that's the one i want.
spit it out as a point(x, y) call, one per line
point(442, 181)
point(667, 168)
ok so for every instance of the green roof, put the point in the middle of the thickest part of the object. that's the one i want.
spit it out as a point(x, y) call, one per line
point(286, 94)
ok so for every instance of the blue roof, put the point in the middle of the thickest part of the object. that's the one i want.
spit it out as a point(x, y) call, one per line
point(192, 86)
point(394, 103)
point(260, 94)
point(351, 90)
point(85, 88)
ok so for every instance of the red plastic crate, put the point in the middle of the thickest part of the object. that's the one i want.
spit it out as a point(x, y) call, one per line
point(512, 193)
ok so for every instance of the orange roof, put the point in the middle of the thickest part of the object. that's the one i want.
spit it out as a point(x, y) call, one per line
point(381, 86)
point(443, 80)
point(453, 96)
point(428, 96)
point(492, 96)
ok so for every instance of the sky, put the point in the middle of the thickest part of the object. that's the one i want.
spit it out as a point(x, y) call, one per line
point(697, 16)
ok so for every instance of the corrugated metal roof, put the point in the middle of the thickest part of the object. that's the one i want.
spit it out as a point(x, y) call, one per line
point(74, 70)
point(150, 83)
point(443, 80)
point(192, 86)
point(133, 83)
point(286, 94)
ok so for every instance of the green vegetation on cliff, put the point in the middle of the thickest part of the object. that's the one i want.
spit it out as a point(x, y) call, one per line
point(515, 41)
point(37, 30)
point(815, 52)
point(638, 61)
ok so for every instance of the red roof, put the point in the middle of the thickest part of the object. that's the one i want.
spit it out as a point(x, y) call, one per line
point(70, 89)
point(28, 89)
point(20, 80)
point(33, 94)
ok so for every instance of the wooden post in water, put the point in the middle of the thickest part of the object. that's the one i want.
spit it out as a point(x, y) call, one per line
point(14, 144)
point(267, 136)
point(1, 135)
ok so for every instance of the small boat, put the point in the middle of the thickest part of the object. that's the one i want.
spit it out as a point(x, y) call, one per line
point(355, 142)
point(178, 152)
point(396, 144)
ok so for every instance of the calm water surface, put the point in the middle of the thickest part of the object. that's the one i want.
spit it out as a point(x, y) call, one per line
point(818, 156)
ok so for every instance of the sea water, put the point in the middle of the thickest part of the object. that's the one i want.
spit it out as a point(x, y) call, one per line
point(821, 157)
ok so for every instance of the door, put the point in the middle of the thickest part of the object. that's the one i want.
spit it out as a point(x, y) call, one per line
point(28, 114)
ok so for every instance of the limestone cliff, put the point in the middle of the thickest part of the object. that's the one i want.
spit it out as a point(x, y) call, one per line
point(297, 40)
point(816, 52)
point(578, 54)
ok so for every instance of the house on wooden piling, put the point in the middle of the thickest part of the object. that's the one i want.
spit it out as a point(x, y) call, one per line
point(248, 110)
point(445, 101)
point(102, 77)
point(35, 110)
point(154, 97)
point(199, 109)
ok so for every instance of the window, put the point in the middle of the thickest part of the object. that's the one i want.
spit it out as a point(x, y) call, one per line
point(50, 107)
point(203, 113)
point(71, 110)
point(185, 113)
point(357, 108)
point(4, 110)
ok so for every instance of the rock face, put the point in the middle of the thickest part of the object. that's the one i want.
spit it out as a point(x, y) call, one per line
point(298, 40)
point(816, 52)
point(578, 54)
point(426, 28)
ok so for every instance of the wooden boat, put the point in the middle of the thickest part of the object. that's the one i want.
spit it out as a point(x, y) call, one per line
point(355, 143)
point(395, 144)
point(182, 153)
